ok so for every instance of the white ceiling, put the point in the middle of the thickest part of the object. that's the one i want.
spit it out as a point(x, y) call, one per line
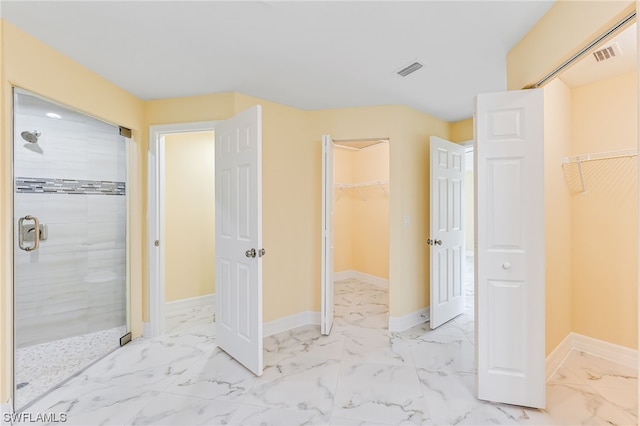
point(307, 54)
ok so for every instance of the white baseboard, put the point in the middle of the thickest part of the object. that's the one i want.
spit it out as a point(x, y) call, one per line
point(292, 321)
point(557, 357)
point(6, 410)
point(609, 351)
point(367, 278)
point(409, 320)
point(344, 275)
point(578, 342)
point(190, 303)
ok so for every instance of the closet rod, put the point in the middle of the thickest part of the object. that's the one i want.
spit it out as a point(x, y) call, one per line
point(386, 138)
point(585, 50)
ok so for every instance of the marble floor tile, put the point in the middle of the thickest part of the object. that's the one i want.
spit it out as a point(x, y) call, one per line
point(380, 393)
point(44, 366)
point(599, 372)
point(451, 400)
point(373, 346)
point(570, 404)
point(187, 319)
point(445, 354)
point(216, 376)
point(361, 374)
point(615, 383)
point(254, 415)
point(304, 383)
point(305, 340)
point(170, 409)
point(100, 404)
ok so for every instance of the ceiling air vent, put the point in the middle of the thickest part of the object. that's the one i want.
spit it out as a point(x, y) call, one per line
point(409, 69)
point(608, 52)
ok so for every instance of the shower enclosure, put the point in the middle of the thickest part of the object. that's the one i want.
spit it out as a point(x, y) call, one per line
point(70, 243)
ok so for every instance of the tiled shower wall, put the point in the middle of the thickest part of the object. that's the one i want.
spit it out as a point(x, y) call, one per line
point(73, 182)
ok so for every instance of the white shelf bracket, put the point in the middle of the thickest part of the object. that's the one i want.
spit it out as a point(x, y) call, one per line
point(584, 187)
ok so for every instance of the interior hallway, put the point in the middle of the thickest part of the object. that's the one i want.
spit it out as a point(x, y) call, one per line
point(361, 373)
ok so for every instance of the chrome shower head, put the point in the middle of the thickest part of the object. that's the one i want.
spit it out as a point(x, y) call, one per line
point(31, 137)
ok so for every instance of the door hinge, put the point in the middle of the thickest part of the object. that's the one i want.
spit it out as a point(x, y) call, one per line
point(125, 339)
point(156, 243)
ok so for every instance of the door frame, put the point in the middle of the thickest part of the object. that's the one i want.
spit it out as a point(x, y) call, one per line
point(156, 218)
point(326, 192)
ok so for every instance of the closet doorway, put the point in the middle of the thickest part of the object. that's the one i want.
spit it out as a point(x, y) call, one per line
point(361, 232)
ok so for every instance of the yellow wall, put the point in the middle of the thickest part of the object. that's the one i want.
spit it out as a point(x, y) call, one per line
point(409, 132)
point(558, 249)
point(410, 253)
point(361, 217)
point(343, 211)
point(189, 215)
point(29, 64)
point(292, 192)
point(565, 29)
point(605, 221)
point(291, 211)
point(461, 131)
point(219, 106)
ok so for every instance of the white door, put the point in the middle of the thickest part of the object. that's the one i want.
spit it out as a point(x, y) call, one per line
point(510, 263)
point(326, 320)
point(447, 231)
point(238, 173)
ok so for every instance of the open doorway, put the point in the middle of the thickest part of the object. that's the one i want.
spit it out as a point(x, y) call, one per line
point(182, 192)
point(361, 233)
point(189, 198)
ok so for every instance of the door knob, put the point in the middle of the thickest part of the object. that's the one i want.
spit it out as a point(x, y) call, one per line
point(250, 253)
point(437, 242)
point(261, 252)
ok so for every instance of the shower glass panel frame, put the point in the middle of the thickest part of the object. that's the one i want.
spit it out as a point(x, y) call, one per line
point(71, 277)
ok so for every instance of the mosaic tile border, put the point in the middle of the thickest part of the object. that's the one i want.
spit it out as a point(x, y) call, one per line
point(26, 185)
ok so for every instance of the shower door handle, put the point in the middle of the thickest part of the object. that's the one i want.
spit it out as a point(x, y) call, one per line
point(36, 232)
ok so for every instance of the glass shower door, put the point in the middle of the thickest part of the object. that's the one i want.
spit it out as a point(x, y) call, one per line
point(70, 275)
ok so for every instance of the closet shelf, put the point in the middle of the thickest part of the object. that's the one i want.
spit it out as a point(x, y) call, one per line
point(362, 185)
point(357, 186)
point(600, 156)
point(579, 159)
